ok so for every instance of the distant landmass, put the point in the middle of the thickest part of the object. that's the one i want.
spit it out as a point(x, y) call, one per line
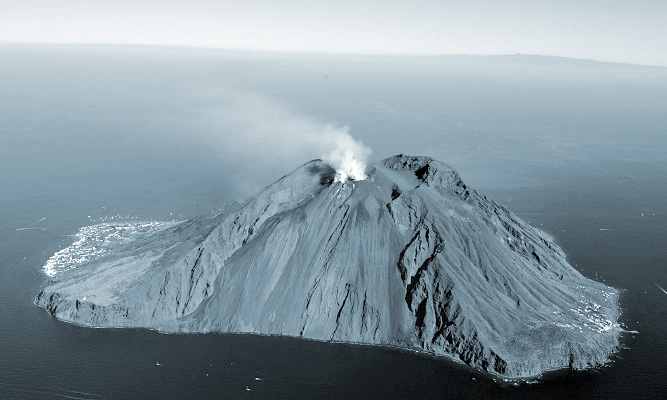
point(409, 257)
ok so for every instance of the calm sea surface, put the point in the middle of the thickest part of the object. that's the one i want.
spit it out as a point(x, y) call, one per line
point(98, 133)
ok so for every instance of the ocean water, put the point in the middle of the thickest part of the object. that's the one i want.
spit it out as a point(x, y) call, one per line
point(90, 134)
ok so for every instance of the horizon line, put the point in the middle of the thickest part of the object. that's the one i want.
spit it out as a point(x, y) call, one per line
point(325, 53)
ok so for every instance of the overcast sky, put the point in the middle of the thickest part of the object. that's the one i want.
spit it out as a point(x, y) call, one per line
point(607, 30)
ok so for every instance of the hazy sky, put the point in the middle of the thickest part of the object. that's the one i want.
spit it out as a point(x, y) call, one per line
point(608, 30)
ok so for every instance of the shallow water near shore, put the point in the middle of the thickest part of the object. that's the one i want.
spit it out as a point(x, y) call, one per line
point(75, 154)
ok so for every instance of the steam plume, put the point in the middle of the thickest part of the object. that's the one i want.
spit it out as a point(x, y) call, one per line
point(252, 125)
point(345, 154)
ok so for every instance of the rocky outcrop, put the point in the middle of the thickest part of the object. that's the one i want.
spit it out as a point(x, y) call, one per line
point(409, 257)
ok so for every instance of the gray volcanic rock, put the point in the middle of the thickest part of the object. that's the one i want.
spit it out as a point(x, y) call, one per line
point(409, 257)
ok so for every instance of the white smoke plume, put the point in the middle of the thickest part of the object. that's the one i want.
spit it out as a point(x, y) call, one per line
point(344, 153)
point(252, 125)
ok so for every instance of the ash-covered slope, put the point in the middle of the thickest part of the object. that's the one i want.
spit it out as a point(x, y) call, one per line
point(408, 257)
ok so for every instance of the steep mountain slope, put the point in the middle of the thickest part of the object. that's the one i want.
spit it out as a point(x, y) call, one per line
point(408, 257)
